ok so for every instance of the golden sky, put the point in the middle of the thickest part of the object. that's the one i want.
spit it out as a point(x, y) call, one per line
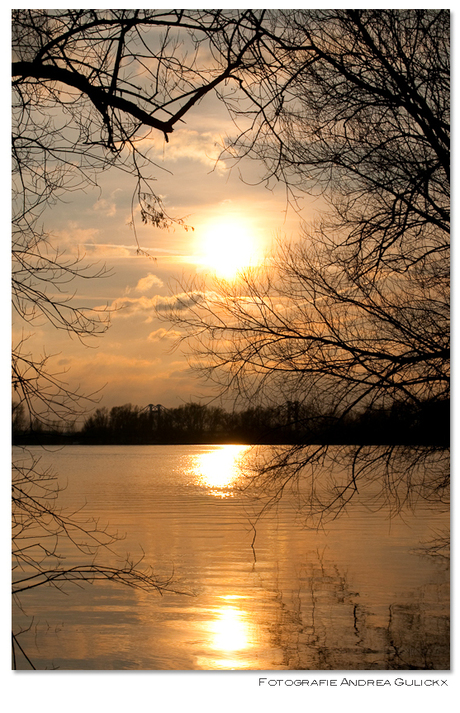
point(234, 223)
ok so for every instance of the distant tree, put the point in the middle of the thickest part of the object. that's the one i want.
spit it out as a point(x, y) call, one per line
point(348, 102)
point(354, 316)
point(97, 426)
point(18, 417)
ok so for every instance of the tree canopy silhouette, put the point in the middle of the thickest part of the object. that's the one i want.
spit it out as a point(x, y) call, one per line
point(354, 315)
point(89, 86)
point(349, 104)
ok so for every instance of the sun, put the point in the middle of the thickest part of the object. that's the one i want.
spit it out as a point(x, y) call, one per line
point(228, 246)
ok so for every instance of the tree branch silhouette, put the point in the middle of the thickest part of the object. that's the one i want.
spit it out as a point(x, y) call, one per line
point(89, 86)
point(352, 317)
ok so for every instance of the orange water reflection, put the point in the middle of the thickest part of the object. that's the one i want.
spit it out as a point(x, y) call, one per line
point(231, 637)
point(219, 469)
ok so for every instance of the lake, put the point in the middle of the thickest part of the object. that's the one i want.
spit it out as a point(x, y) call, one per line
point(357, 595)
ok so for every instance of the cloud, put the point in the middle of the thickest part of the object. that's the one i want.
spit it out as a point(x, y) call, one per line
point(146, 283)
point(106, 250)
point(124, 306)
point(162, 333)
point(204, 147)
point(107, 208)
point(73, 238)
point(127, 306)
point(179, 302)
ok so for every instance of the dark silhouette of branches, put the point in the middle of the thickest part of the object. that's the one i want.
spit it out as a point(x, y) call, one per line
point(354, 104)
point(90, 85)
point(353, 317)
point(91, 88)
point(41, 531)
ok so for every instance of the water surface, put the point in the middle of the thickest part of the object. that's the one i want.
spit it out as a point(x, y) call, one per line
point(356, 596)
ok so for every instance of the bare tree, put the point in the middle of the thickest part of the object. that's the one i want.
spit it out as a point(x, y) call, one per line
point(303, 331)
point(354, 104)
point(354, 316)
point(89, 87)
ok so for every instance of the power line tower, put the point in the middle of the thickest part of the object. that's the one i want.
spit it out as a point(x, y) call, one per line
point(155, 413)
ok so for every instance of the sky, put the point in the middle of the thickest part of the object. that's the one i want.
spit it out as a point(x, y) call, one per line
point(235, 220)
point(133, 361)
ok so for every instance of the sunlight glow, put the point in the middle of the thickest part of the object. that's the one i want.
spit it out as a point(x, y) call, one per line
point(219, 469)
point(231, 639)
point(228, 246)
point(229, 631)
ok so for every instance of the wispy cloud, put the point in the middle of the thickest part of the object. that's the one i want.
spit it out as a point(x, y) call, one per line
point(204, 147)
point(179, 302)
point(107, 208)
point(127, 306)
point(163, 334)
point(146, 283)
point(106, 250)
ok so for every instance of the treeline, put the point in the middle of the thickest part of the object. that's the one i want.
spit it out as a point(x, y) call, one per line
point(288, 423)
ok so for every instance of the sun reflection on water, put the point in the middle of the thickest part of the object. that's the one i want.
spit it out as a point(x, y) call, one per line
point(231, 637)
point(229, 630)
point(219, 469)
